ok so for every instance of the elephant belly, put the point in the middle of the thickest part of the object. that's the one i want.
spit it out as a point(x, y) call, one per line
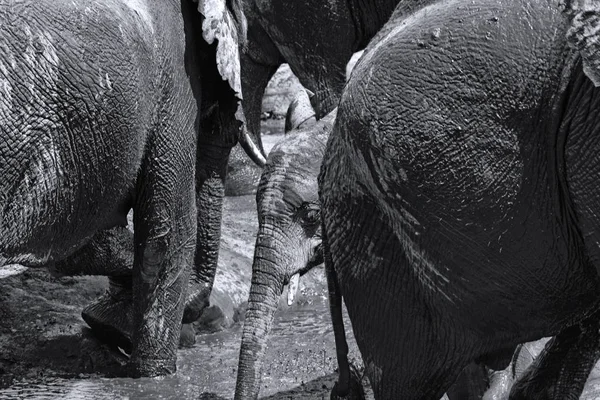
point(58, 190)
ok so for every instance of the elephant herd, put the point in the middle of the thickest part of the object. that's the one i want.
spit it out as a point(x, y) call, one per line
point(447, 185)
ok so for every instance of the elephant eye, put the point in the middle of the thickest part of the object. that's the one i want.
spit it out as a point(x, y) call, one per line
point(310, 213)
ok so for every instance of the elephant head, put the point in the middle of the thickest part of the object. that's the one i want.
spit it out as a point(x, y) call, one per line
point(288, 241)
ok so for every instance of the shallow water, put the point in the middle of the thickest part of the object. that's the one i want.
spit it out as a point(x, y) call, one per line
point(299, 363)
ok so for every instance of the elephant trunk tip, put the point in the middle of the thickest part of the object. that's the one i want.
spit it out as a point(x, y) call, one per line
point(260, 314)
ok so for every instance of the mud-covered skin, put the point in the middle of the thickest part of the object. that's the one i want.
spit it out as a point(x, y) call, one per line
point(219, 129)
point(288, 241)
point(300, 113)
point(276, 35)
point(99, 111)
point(457, 191)
point(289, 184)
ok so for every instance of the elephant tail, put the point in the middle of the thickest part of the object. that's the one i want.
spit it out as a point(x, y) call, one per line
point(348, 380)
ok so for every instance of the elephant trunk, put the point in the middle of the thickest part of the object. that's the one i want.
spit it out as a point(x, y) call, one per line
point(267, 286)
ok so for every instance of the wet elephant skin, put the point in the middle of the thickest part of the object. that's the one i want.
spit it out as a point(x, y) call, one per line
point(456, 194)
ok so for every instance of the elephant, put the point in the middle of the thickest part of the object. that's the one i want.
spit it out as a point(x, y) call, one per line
point(583, 17)
point(288, 243)
point(300, 34)
point(502, 381)
point(276, 33)
point(528, 365)
point(300, 113)
point(458, 200)
point(102, 106)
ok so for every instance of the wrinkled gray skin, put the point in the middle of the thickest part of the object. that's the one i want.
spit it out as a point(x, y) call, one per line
point(564, 365)
point(111, 252)
point(99, 111)
point(317, 39)
point(300, 113)
point(570, 355)
point(458, 196)
point(289, 243)
point(584, 34)
point(502, 381)
point(277, 33)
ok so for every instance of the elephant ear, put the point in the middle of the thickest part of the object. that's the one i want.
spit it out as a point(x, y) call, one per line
point(224, 21)
point(584, 34)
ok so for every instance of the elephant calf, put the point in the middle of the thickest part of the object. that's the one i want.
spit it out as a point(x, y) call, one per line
point(98, 106)
point(288, 242)
point(459, 197)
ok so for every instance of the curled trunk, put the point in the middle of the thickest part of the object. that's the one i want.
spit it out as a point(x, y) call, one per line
point(266, 288)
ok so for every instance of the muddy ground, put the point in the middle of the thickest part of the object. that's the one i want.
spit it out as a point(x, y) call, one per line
point(46, 351)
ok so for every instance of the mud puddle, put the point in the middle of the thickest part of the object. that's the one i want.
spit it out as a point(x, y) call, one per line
point(299, 364)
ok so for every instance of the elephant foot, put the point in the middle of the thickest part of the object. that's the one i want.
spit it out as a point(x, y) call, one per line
point(197, 301)
point(354, 391)
point(188, 336)
point(111, 316)
point(149, 368)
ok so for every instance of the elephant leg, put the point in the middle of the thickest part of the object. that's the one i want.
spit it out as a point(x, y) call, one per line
point(563, 367)
point(471, 384)
point(110, 252)
point(211, 170)
point(111, 315)
point(164, 222)
point(348, 385)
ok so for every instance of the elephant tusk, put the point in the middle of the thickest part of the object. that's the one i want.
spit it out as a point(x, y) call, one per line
point(293, 288)
point(251, 149)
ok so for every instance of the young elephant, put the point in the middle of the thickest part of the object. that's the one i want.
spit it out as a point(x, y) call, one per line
point(458, 195)
point(288, 242)
point(98, 114)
